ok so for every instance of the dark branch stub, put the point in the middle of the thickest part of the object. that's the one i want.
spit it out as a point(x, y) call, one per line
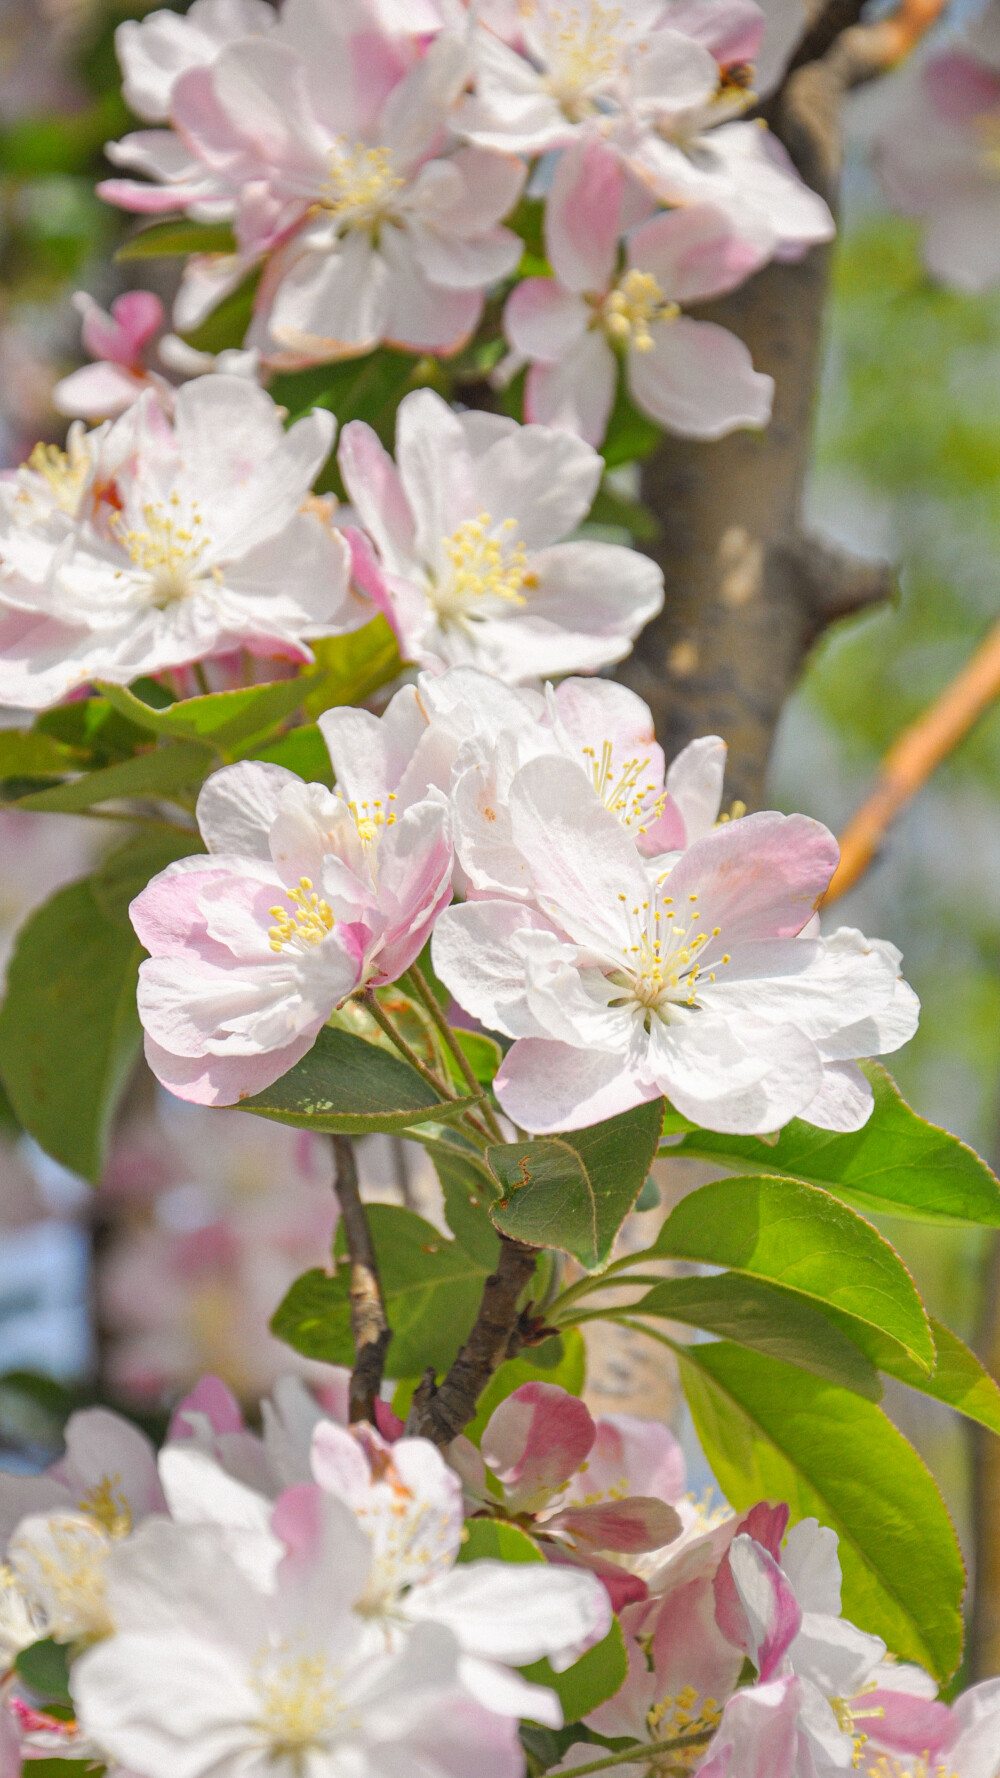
point(440, 1413)
point(369, 1324)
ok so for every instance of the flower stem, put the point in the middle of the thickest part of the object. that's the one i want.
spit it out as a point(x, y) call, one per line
point(651, 1752)
point(443, 1089)
point(425, 994)
point(369, 1323)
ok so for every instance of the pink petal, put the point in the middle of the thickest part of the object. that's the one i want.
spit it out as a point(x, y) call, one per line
point(216, 1401)
point(543, 320)
point(621, 1587)
point(759, 877)
point(223, 1080)
point(960, 87)
point(694, 253)
point(903, 1722)
point(98, 392)
point(536, 1439)
point(583, 215)
point(698, 380)
point(756, 1608)
point(629, 1525)
point(576, 394)
point(121, 336)
point(758, 1736)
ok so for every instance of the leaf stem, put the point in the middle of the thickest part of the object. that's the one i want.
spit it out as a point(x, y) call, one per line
point(425, 994)
point(443, 1089)
point(609, 1276)
point(652, 1752)
point(369, 1322)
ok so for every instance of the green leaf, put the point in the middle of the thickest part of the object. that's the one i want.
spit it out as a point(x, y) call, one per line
point(570, 1374)
point(352, 1088)
point(163, 771)
point(898, 1164)
point(350, 668)
point(45, 1668)
point(468, 1193)
point(229, 320)
point(775, 1322)
point(93, 728)
point(176, 238)
point(302, 750)
point(611, 507)
point(431, 1287)
point(575, 1191)
point(630, 435)
point(69, 1030)
point(370, 388)
point(595, 1677)
point(958, 1379)
point(483, 1054)
point(807, 1241)
point(28, 754)
point(124, 872)
point(227, 720)
point(771, 1432)
point(495, 1541)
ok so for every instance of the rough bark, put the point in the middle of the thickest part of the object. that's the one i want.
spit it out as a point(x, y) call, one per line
point(747, 593)
point(440, 1412)
point(369, 1324)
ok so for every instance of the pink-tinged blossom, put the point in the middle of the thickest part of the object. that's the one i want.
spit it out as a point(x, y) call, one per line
point(484, 732)
point(117, 341)
point(58, 1529)
point(503, 1615)
point(156, 50)
point(208, 1673)
point(326, 142)
point(693, 377)
point(150, 545)
point(470, 567)
point(586, 1489)
point(622, 980)
point(939, 159)
point(303, 896)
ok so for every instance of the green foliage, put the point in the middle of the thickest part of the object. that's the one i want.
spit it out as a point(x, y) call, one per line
point(595, 1677)
point(431, 1287)
point(126, 870)
point(468, 1193)
point(898, 1163)
point(227, 720)
point(808, 1243)
point(494, 1540)
point(69, 1030)
point(354, 1088)
point(160, 771)
point(775, 1322)
point(630, 436)
point(575, 1191)
point(44, 1667)
point(176, 238)
point(774, 1432)
point(350, 668)
point(226, 326)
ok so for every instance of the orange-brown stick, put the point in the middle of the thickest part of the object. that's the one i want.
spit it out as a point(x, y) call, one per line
point(912, 758)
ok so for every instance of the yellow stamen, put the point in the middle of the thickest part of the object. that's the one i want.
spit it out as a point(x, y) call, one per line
point(308, 923)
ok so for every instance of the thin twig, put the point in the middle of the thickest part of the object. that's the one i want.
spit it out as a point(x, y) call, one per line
point(441, 1413)
point(428, 998)
point(369, 1323)
point(651, 1751)
point(912, 758)
point(443, 1089)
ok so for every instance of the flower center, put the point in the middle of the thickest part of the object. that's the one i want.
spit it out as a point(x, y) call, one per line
point(884, 1766)
point(168, 549)
point(584, 52)
point(65, 472)
point(307, 923)
point(370, 818)
point(686, 1713)
point(61, 1566)
point(300, 1704)
point(486, 571)
point(360, 186)
point(629, 312)
point(662, 968)
point(109, 1508)
point(623, 792)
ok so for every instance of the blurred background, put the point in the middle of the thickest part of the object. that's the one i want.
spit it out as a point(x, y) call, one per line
point(202, 1221)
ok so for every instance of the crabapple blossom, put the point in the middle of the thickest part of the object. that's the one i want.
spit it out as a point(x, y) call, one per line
point(326, 142)
point(620, 980)
point(155, 51)
point(57, 1530)
point(208, 1673)
point(409, 1503)
point(103, 390)
point(304, 895)
point(939, 156)
point(583, 1487)
point(603, 727)
point(693, 377)
point(467, 525)
point(150, 544)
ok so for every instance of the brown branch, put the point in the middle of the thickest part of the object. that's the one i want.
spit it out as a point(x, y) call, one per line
point(912, 758)
point(440, 1413)
point(369, 1325)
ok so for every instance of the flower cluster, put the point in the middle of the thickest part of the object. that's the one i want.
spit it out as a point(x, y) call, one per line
point(299, 1602)
point(368, 160)
point(186, 531)
point(630, 942)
